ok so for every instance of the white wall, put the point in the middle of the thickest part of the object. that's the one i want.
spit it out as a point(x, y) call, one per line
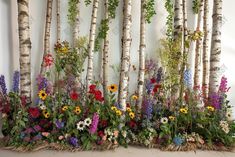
point(9, 41)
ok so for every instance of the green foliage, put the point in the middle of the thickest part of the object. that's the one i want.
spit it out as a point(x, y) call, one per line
point(102, 33)
point(196, 6)
point(72, 11)
point(112, 6)
point(170, 19)
point(149, 7)
point(87, 2)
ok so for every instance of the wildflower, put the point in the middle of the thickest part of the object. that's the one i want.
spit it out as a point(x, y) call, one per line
point(132, 115)
point(188, 78)
point(118, 112)
point(134, 97)
point(98, 95)
point(114, 108)
point(92, 88)
point(184, 110)
point(215, 100)
point(172, 118)
point(115, 133)
point(87, 122)
point(94, 124)
point(45, 134)
point(80, 125)
point(34, 112)
point(61, 137)
point(59, 124)
point(74, 95)
point(3, 85)
point(128, 109)
point(224, 126)
point(77, 110)
point(156, 87)
point(48, 60)
point(153, 80)
point(16, 79)
point(210, 108)
point(178, 141)
point(223, 85)
point(46, 114)
point(65, 108)
point(73, 141)
point(229, 115)
point(132, 124)
point(103, 123)
point(113, 88)
point(164, 120)
point(42, 94)
point(148, 108)
point(42, 107)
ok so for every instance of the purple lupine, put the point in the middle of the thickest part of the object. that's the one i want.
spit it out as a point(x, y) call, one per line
point(16, 79)
point(73, 141)
point(215, 100)
point(44, 84)
point(149, 86)
point(148, 108)
point(59, 124)
point(3, 85)
point(223, 88)
point(94, 124)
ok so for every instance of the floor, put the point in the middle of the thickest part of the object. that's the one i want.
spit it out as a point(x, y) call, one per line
point(120, 152)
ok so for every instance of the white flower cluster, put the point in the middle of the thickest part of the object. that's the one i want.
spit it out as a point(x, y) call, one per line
point(112, 135)
point(224, 126)
point(82, 124)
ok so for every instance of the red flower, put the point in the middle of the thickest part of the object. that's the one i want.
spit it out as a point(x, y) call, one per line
point(153, 80)
point(92, 88)
point(156, 87)
point(98, 95)
point(74, 95)
point(103, 123)
point(132, 124)
point(34, 112)
point(23, 100)
point(100, 133)
point(48, 60)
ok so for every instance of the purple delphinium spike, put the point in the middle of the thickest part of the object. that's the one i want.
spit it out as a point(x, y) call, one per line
point(3, 85)
point(94, 124)
point(16, 80)
point(149, 86)
point(148, 108)
point(215, 100)
point(223, 88)
point(44, 84)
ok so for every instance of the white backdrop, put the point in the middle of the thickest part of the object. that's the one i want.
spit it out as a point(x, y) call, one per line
point(9, 51)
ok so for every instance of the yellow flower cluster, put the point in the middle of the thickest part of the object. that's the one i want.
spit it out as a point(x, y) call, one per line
point(42, 94)
point(131, 114)
point(184, 110)
point(172, 118)
point(65, 108)
point(77, 110)
point(117, 111)
point(113, 88)
point(210, 108)
point(46, 114)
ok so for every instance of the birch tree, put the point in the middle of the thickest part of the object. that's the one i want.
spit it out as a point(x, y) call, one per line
point(215, 46)
point(142, 48)
point(76, 28)
point(178, 18)
point(58, 30)
point(25, 48)
point(125, 55)
point(47, 32)
point(198, 50)
point(205, 74)
point(91, 45)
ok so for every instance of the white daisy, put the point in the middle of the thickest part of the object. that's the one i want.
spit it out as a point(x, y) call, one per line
point(164, 120)
point(229, 115)
point(42, 107)
point(87, 121)
point(80, 125)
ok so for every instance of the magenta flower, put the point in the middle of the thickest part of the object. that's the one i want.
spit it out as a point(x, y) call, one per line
point(94, 124)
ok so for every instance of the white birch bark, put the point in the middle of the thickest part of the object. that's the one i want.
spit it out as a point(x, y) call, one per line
point(198, 49)
point(47, 32)
point(142, 48)
point(91, 45)
point(58, 30)
point(215, 46)
point(125, 57)
point(25, 48)
point(76, 28)
point(178, 18)
point(205, 75)
point(105, 55)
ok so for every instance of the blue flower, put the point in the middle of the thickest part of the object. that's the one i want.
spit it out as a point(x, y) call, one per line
point(178, 141)
point(188, 78)
point(73, 141)
point(3, 85)
point(16, 80)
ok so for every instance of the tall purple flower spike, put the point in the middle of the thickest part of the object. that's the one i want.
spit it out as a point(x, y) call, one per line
point(16, 80)
point(94, 124)
point(3, 87)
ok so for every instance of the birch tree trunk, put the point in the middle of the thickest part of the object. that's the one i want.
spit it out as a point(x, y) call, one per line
point(91, 45)
point(25, 48)
point(205, 75)
point(125, 57)
point(178, 18)
point(215, 46)
point(47, 32)
point(142, 48)
point(198, 50)
point(105, 55)
point(76, 28)
point(58, 31)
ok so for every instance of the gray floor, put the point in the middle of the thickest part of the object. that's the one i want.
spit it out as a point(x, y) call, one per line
point(120, 152)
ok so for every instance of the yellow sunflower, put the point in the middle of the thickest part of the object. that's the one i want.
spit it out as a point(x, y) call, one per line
point(114, 108)
point(64, 108)
point(113, 88)
point(210, 108)
point(172, 118)
point(77, 110)
point(132, 115)
point(134, 97)
point(46, 114)
point(128, 109)
point(42, 94)
point(184, 110)
point(64, 49)
point(118, 112)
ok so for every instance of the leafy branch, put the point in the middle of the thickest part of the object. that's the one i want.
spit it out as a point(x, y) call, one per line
point(72, 11)
point(169, 23)
point(196, 6)
point(149, 10)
